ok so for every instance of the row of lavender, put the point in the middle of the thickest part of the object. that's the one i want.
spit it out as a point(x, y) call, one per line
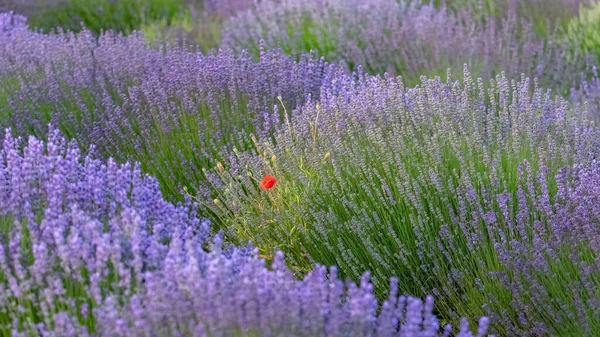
point(90, 248)
point(411, 39)
point(494, 220)
point(173, 110)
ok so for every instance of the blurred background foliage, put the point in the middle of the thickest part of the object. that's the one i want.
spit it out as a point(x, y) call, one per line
point(198, 20)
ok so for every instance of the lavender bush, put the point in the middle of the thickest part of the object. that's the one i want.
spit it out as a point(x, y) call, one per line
point(408, 39)
point(173, 110)
point(92, 249)
point(456, 197)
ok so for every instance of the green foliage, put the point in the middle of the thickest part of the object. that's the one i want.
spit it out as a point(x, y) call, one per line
point(583, 32)
point(97, 15)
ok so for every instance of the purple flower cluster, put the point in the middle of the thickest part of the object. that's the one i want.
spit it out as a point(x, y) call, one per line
point(92, 249)
point(408, 39)
point(9, 22)
point(563, 233)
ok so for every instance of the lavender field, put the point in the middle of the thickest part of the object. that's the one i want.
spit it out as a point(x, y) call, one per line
point(299, 168)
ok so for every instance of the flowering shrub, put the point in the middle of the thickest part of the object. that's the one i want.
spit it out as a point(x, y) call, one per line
point(456, 197)
point(92, 249)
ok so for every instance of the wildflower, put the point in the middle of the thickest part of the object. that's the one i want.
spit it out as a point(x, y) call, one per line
point(267, 182)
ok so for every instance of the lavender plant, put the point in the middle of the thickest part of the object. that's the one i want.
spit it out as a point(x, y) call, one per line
point(173, 109)
point(456, 197)
point(92, 249)
point(408, 39)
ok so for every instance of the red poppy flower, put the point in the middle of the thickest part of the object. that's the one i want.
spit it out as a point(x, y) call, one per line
point(267, 182)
